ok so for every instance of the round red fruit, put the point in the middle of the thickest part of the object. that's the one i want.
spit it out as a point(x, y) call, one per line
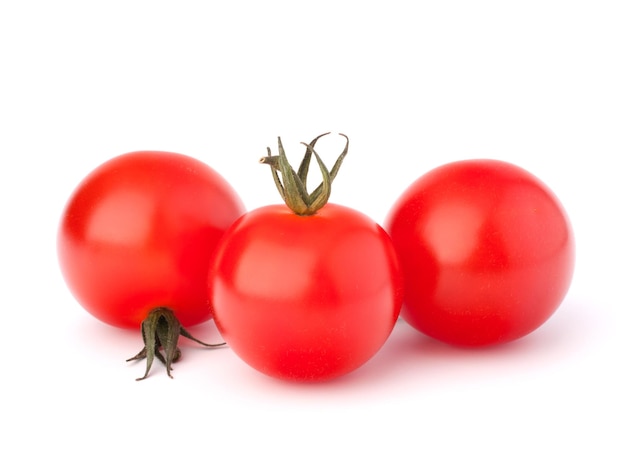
point(138, 234)
point(487, 252)
point(307, 292)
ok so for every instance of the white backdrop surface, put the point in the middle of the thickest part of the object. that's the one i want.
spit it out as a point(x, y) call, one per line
point(414, 85)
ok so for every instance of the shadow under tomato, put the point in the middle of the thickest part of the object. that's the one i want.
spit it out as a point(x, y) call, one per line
point(95, 336)
point(417, 360)
point(108, 345)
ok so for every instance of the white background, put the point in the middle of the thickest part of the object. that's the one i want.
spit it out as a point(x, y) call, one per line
point(414, 84)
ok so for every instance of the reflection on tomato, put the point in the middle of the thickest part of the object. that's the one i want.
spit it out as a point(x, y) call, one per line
point(306, 298)
point(487, 252)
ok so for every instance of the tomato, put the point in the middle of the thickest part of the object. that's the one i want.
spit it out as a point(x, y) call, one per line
point(138, 233)
point(487, 252)
point(305, 297)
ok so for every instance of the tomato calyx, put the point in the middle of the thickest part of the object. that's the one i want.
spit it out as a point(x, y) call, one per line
point(292, 186)
point(161, 330)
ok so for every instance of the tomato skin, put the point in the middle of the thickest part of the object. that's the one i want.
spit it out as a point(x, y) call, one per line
point(305, 298)
point(138, 233)
point(487, 252)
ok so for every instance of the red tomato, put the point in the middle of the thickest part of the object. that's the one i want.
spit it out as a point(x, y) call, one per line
point(308, 296)
point(305, 297)
point(487, 252)
point(138, 233)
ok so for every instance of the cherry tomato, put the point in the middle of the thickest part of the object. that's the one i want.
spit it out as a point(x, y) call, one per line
point(137, 235)
point(305, 297)
point(487, 252)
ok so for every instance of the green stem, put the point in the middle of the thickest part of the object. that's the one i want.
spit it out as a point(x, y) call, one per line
point(292, 185)
point(160, 330)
